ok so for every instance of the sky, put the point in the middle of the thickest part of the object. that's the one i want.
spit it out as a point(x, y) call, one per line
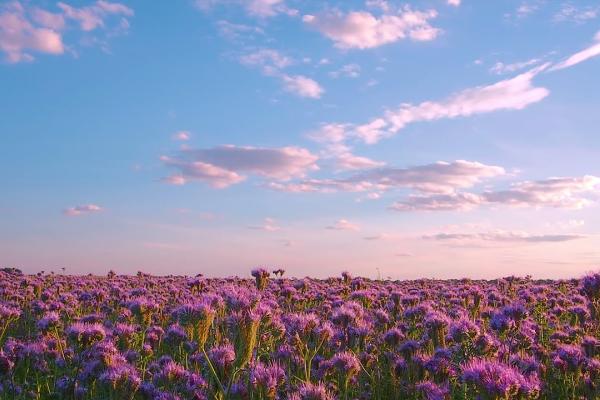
point(433, 138)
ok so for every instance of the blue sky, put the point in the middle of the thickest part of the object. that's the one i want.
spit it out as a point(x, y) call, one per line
point(434, 138)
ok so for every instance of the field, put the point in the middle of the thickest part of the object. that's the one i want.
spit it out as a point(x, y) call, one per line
point(269, 337)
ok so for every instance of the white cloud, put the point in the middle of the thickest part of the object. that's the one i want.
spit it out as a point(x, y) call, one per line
point(255, 8)
point(527, 7)
point(343, 225)
point(82, 210)
point(501, 68)
point(269, 60)
point(224, 165)
point(302, 86)
point(581, 56)
point(269, 225)
point(571, 13)
point(233, 31)
point(454, 3)
point(363, 30)
point(347, 71)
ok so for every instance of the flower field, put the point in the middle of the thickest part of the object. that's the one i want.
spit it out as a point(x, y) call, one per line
point(269, 337)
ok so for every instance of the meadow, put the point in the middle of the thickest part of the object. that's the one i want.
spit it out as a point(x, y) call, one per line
point(270, 337)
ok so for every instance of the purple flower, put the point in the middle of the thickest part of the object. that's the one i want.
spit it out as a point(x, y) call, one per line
point(267, 378)
point(496, 379)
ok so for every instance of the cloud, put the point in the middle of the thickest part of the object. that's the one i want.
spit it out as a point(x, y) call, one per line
point(527, 8)
point(81, 210)
point(560, 192)
point(509, 94)
point(223, 166)
point(233, 31)
point(439, 202)
point(500, 68)
point(500, 236)
point(569, 192)
point(25, 30)
point(92, 17)
point(268, 225)
point(581, 56)
point(256, 8)
point(347, 71)
point(363, 30)
point(269, 60)
point(272, 63)
point(18, 35)
point(302, 86)
point(568, 12)
point(182, 135)
point(343, 225)
point(454, 3)
point(348, 161)
point(439, 177)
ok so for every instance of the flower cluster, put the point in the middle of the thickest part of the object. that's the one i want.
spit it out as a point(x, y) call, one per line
point(174, 337)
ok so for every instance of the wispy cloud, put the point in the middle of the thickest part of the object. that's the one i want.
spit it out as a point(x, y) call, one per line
point(439, 177)
point(500, 68)
point(343, 225)
point(346, 71)
point(26, 30)
point(566, 192)
point(570, 13)
point(182, 136)
point(500, 236)
point(255, 8)
point(272, 63)
point(268, 225)
point(581, 56)
point(82, 210)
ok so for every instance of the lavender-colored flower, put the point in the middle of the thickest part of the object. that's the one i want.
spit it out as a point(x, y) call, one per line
point(267, 378)
point(433, 391)
point(496, 379)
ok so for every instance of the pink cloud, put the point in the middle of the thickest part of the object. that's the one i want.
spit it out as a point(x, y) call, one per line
point(343, 225)
point(82, 210)
point(18, 35)
point(222, 166)
point(500, 236)
point(509, 94)
point(569, 192)
point(303, 86)
point(363, 30)
point(581, 56)
point(92, 17)
point(439, 177)
point(25, 30)
point(182, 136)
point(269, 225)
